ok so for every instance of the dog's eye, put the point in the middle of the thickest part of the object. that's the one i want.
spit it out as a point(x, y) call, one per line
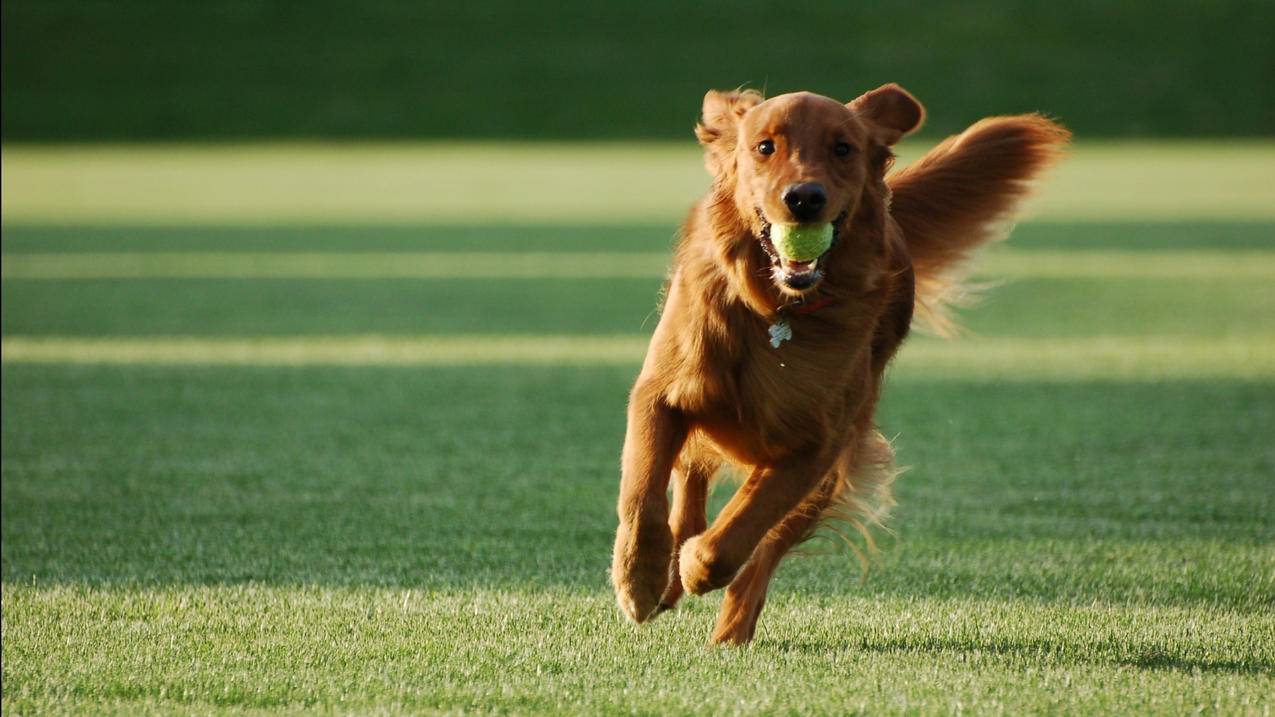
point(842, 149)
point(766, 146)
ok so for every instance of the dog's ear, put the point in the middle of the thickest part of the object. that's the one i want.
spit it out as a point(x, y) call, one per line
point(721, 113)
point(719, 126)
point(891, 110)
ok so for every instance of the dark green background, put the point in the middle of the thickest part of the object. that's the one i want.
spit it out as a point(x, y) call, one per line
point(233, 69)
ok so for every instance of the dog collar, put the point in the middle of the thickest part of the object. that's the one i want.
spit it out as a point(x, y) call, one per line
point(803, 309)
point(781, 331)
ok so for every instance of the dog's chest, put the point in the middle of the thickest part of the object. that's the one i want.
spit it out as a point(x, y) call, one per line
point(792, 359)
point(801, 382)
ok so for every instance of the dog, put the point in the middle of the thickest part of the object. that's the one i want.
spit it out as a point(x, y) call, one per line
point(775, 365)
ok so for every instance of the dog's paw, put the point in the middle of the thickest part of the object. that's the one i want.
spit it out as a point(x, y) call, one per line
point(737, 620)
point(703, 570)
point(637, 603)
point(736, 633)
point(640, 571)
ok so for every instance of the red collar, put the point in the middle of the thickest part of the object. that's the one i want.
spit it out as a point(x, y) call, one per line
point(812, 307)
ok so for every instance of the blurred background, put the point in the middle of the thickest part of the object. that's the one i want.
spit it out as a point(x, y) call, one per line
point(253, 69)
point(337, 296)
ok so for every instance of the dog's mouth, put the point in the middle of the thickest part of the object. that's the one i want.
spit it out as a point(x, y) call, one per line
point(797, 276)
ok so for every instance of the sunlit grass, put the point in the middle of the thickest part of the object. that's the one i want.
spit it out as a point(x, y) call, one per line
point(135, 649)
point(1020, 359)
point(552, 183)
point(260, 464)
point(409, 539)
point(1004, 263)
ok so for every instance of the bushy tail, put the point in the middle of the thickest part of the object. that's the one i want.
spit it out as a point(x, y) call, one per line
point(962, 195)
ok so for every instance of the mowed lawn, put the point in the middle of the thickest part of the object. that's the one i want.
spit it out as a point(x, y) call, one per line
point(259, 463)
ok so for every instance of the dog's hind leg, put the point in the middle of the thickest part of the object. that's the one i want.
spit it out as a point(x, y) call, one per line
point(711, 559)
point(689, 516)
point(856, 491)
point(746, 595)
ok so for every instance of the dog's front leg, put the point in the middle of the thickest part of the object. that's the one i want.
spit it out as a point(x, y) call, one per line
point(689, 515)
point(640, 568)
point(710, 560)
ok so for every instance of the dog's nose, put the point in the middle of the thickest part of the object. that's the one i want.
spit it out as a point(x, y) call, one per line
point(805, 200)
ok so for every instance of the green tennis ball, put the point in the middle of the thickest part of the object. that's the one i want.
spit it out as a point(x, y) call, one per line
point(801, 242)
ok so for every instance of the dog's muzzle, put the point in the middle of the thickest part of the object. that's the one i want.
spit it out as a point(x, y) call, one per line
point(797, 275)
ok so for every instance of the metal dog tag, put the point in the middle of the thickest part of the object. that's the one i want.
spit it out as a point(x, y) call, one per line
point(780, 332)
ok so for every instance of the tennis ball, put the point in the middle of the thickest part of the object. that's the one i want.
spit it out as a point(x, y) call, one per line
point(801, 242)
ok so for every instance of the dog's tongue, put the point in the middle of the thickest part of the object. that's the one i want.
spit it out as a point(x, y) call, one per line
point(797, 267)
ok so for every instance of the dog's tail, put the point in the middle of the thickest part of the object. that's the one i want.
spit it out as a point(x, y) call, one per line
point(962, 195)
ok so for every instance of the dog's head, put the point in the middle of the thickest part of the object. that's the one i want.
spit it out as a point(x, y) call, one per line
point(801, 159)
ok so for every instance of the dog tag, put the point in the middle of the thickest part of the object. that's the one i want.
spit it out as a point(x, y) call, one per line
point(780, 332)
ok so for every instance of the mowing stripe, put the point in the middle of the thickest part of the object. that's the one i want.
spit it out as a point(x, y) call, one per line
point(314, 265)
point(1125, 358)
point(1170, 264)
point(1187, 264)
point(609, 183)
point(336, 350)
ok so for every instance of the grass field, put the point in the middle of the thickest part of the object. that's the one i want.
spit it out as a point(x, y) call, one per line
point(243, 69)
point(280, 456)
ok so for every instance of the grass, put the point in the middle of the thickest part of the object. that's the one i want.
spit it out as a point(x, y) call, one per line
point(358, 494)
point(76, 70)
point(1006, 264)
point(615, 184)
point(217, 307)
point(1133, 358)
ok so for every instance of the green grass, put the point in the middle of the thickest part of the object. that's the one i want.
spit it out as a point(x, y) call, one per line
point(361, 537)
point(395, 495)
point(537, 184)
point(438, 651)
point(1138, 232)
point(578, 306)
point(77, 70)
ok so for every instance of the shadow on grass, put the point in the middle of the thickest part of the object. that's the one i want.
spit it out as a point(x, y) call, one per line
point(1036, 652)
point(20, 238)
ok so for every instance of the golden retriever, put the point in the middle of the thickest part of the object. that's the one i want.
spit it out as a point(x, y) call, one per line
point(775, 365)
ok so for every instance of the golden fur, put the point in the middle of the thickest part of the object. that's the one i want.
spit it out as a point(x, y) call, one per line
point(797, 418)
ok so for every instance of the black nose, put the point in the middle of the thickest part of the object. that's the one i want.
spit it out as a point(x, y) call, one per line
point(805, 200)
